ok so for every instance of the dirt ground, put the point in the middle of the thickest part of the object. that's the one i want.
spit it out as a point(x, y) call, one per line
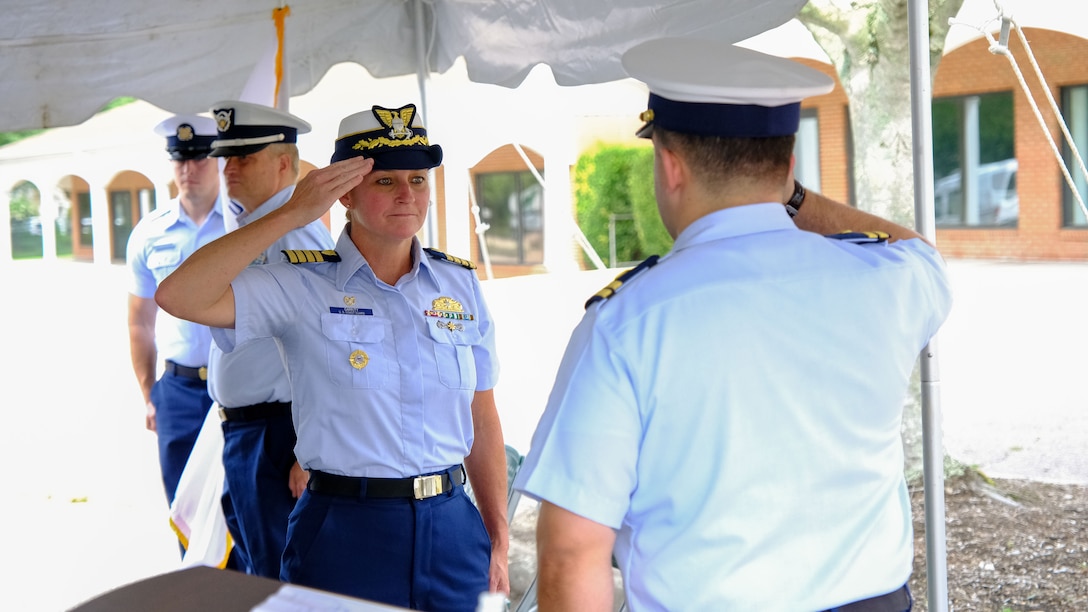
point(1013, 546)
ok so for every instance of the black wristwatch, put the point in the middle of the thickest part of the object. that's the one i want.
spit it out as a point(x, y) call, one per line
point(794, 205)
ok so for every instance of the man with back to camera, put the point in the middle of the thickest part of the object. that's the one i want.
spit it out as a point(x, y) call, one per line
point(178, 402)
point(262, 478)
point(726, 419)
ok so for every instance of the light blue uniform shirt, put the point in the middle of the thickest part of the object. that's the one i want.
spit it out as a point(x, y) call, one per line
point(158, 244)
point(383, 376)
point(734, 413)
point(253, 373)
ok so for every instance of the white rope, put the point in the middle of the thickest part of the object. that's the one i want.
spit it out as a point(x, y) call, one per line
point(1061, 121)
point(1001, 48)
point(579, 235)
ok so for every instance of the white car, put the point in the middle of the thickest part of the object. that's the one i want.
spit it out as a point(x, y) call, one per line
point(998, 201)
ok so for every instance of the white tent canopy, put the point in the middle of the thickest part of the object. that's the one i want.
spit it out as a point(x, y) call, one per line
point(62, 61)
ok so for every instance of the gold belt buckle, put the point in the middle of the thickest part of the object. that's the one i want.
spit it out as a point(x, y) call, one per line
point(427, 486)
point(202, 372)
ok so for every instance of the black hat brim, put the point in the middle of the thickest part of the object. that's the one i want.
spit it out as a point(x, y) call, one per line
point(415, 158)
point(188, 155)
point(237, 151)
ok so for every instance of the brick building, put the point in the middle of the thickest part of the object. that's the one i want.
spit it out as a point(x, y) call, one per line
point(985, 127)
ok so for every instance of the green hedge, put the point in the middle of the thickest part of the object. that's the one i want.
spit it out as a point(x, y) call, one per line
point(618, 180)
point(652, 235)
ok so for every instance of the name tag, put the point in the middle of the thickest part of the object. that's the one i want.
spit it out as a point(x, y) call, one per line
point(351, 311)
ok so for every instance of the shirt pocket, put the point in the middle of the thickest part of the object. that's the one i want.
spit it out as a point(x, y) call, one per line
point(162, 260)
point(453, 342)
point(354, 349)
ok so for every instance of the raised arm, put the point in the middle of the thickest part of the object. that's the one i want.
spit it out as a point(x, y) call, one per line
point(199, 290)
point(823, 215)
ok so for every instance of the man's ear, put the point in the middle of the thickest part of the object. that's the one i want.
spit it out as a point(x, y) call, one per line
point(673, 169)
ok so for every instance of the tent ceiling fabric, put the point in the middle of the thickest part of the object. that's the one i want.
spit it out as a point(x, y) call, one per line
point(61, 61)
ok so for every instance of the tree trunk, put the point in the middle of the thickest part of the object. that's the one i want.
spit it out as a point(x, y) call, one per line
point(868, 42)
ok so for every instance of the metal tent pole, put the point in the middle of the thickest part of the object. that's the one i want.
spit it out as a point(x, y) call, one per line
point(423, 73)
point(932, 445)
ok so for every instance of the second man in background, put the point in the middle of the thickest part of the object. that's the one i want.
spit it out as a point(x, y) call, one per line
point(249, 384)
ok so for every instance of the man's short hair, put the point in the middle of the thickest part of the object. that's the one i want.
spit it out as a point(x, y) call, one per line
point(291, 151)
point(717, 159)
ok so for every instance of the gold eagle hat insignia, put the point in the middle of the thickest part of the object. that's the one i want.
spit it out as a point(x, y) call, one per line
point(224, 117)
point(398, 121)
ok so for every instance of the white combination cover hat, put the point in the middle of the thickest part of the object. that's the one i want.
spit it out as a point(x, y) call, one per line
point(716, 88)
point(245, 128)
point(187, 136)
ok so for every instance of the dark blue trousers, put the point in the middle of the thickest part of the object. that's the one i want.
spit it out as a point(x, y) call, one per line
point(899, 600)
point(257, 501)
point(431, 554)
point(180, 407)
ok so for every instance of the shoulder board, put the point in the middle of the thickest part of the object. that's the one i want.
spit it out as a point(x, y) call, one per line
point(860, 237)
point(610, 289)
point(298, 256)
point(436, 254)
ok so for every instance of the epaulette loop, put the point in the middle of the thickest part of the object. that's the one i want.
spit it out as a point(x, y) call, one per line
point(860, 237)
point(298, 256)
point(436, 254)
point(611, 288)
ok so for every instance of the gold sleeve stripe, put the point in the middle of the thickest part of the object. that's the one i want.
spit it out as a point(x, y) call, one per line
point(298, 256)
point(611, 288)
point(860, 237)
point(436, 254)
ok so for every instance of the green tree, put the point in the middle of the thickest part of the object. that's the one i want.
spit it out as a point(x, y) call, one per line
point(25, 201)
point(7, 138)
point(652, 235)
point(868, 42)
point(10, 137)
point(26, 229)
point(601, 191)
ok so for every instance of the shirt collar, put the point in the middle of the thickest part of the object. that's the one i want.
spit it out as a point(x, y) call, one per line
point(276, 201)
point(735, 221)
point(176, 213)
point(352, 261)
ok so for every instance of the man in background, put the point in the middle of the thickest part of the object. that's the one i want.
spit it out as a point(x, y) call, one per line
point(250, 385)
point(177, 402)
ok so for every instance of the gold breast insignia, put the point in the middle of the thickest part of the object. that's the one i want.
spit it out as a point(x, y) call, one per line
point(359, 359)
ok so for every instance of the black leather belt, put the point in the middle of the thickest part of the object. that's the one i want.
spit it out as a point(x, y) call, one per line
point(200, 373)
point(896, 601)
point(265, 410)
point(418, 487)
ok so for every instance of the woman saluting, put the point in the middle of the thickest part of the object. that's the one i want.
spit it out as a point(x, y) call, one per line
point(391, 354)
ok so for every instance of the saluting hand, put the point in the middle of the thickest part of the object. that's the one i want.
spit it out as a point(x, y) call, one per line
point(319, 189)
